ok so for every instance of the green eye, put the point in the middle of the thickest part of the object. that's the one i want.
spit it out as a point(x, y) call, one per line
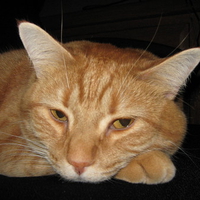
point(122, 123)
point(58, 115)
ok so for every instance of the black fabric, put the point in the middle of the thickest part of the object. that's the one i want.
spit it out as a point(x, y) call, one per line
point(185, 185)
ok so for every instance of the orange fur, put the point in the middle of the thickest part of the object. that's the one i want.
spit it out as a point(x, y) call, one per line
point(92, 85)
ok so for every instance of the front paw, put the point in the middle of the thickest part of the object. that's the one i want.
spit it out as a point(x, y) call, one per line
point(151, 168)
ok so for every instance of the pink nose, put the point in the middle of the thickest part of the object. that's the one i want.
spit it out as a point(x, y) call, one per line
point(79, 167)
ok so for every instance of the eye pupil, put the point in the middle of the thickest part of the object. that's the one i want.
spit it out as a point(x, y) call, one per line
point(58, 115)
point(122, 123)
point(125, 122)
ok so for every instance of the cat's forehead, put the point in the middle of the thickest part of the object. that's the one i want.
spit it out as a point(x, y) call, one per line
point(102, 94)
point(108, 56)
point(102, 74)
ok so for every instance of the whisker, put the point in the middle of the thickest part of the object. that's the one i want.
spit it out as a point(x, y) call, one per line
point(28, 154)
point(198, 21)
point(61, 39)
point(14, 144)
point(178, 45)
point(184, 102)
point(26, 139)
point(21, 145)
point(155, 33)
point(38, 148)
point(185, 153)
point(61, 22)
point(29, 159)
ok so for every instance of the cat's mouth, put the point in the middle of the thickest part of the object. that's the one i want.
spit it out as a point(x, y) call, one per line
point(88, 175)
point(86, 179)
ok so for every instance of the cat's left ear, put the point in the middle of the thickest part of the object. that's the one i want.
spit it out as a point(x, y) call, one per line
point(172, 73)
point(44, 52)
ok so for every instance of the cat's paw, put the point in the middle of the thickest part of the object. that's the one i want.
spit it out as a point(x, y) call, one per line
point(150, 168)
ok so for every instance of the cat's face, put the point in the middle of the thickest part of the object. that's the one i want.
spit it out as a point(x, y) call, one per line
point(93, 107)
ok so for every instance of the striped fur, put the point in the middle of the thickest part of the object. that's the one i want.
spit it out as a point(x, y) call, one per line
point(93, 85)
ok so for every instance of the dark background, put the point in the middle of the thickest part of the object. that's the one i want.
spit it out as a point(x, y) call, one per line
point(173, 23)
point(124, 23)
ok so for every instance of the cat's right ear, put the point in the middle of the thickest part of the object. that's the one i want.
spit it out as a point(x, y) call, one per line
point(44, 52)
point(172, 73)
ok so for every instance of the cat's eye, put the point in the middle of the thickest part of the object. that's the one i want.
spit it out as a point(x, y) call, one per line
point(58, 115)
point(122, 123)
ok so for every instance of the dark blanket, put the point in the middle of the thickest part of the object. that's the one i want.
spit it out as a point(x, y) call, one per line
point(185, 186)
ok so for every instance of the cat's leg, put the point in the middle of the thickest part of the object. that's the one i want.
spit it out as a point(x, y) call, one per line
point(151, 168)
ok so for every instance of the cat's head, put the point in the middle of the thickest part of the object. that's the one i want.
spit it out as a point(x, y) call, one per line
point(93, 107)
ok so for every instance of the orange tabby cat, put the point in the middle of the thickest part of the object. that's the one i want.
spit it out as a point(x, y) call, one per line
point(90, 111)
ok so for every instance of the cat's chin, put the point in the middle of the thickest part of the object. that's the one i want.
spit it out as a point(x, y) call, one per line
point(89, 176)
point(84, 179)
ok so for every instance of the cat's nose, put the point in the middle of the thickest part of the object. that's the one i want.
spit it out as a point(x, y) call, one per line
point(81, 155)
point(79, 167)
